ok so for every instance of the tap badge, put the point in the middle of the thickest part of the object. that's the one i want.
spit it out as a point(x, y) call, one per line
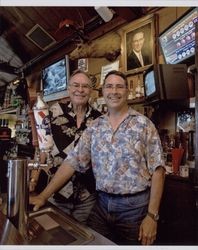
point(43, 127)
point(45, 122)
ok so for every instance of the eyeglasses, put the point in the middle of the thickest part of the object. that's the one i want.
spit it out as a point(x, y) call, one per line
point(77, 85)
point(110, 86)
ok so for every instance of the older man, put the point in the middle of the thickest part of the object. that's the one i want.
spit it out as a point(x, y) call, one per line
point(68, 121)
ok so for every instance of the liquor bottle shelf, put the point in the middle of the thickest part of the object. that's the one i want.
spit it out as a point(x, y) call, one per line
point(8, 111)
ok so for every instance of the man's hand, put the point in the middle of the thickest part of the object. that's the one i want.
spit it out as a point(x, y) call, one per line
point(63, 174)
point(38, 201)
point(148, 231)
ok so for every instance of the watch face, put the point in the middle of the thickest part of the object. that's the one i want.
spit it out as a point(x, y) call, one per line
point(154, 216)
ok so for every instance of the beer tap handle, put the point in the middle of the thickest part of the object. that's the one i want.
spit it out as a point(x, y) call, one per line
point(49, 162)
point(33, 128)
point(35, 165)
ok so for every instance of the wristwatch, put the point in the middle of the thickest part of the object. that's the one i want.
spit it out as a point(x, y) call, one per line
point(155, 217)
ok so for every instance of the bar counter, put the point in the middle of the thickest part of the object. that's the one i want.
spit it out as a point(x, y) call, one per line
point(8, 233)
point(177, 224)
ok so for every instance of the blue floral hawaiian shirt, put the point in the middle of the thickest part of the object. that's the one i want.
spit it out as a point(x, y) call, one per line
point(124, 160)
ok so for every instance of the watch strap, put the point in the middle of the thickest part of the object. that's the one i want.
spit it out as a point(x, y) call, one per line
point(155, 217)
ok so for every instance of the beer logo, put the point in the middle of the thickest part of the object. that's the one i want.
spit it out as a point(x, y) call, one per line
point(45, 123)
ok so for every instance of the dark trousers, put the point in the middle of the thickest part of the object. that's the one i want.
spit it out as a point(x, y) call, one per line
point(118, 217)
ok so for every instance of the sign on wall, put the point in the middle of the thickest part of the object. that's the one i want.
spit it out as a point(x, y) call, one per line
point(107, 68)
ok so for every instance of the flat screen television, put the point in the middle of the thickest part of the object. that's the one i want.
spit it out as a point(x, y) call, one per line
point(55, 79)
point(165, 82)
point(177, 42)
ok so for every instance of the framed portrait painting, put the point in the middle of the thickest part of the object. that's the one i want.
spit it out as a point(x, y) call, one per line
point(139, 46)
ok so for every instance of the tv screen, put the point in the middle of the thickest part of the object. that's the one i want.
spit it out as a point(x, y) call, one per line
point(178, 40)
point(165, 82)
point(150, 87)
point(54, 79)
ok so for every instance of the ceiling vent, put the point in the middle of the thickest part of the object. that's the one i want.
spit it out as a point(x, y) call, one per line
point(40, 37)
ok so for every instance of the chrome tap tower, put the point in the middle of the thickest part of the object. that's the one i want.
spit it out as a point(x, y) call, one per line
point(18, 169)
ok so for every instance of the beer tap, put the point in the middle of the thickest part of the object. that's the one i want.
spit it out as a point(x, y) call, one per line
point(18, 169)
point(41, 135)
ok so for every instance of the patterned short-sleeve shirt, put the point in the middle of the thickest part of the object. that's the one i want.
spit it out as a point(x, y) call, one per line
point(124, 160)
point(66, 135)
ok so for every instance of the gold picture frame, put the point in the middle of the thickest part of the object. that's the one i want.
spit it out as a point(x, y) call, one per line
point(140, 33)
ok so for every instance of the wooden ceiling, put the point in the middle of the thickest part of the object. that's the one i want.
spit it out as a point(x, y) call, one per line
point(16, 50)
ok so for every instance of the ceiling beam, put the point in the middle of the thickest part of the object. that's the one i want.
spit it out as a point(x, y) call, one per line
point(127, 13)
point(7, 68)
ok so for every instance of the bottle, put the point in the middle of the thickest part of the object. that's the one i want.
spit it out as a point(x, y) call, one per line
point(170, 146)
point(191, 145)
point(138, 91)
point(5, 131)
point(43, 126)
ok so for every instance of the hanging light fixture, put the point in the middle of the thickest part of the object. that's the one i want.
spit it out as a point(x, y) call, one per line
point(66, 23)
point(105, 13)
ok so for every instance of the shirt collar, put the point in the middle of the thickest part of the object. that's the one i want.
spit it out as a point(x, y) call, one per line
point(71, 112)
point(137, 53)
point(131, 112)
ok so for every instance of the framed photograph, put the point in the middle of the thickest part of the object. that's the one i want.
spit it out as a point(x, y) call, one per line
point(139, 46)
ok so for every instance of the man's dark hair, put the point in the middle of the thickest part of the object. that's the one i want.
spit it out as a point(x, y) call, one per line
point(117, 73)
